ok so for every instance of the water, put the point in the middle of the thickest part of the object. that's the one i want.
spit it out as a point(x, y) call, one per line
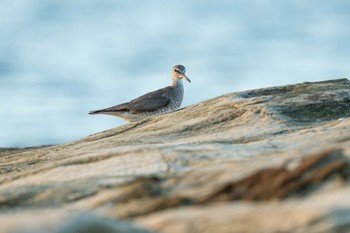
point(60, 59)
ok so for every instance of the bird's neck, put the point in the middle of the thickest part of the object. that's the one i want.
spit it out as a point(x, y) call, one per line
point(177, 83)
point(178, 91)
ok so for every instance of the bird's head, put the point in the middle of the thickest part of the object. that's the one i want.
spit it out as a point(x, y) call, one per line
point(178, 72)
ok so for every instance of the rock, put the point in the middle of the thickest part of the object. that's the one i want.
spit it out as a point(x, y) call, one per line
point(64, 222)
point(266, 160)
point(318, 214)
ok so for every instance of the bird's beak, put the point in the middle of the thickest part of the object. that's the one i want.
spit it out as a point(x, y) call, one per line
point(184, 76)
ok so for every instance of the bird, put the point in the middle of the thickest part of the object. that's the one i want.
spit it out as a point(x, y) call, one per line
point(157, 102)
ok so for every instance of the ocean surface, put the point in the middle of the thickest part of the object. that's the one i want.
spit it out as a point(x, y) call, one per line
point(59, 58)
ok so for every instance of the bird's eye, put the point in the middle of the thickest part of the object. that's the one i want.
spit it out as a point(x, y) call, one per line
point(177, 70)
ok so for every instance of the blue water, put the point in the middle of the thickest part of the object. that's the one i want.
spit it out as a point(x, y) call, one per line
point(60, 59)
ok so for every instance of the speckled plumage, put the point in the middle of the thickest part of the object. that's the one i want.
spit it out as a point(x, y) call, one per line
point(153, 103)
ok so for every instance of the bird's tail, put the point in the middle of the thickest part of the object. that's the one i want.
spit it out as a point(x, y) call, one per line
point(117, 108)
point(95, 112)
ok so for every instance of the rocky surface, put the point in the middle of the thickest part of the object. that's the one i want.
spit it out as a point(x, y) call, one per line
point(265, 160)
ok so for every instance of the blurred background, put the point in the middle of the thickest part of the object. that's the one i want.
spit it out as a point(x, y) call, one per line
point(59, 59)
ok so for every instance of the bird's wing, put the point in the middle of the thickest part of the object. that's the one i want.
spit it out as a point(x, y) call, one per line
point(151, 101)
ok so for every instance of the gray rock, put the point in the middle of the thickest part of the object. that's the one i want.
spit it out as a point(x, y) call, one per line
point(266, 160)
point(59, 222)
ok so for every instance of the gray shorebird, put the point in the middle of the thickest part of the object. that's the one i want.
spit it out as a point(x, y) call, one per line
point(153, 103)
